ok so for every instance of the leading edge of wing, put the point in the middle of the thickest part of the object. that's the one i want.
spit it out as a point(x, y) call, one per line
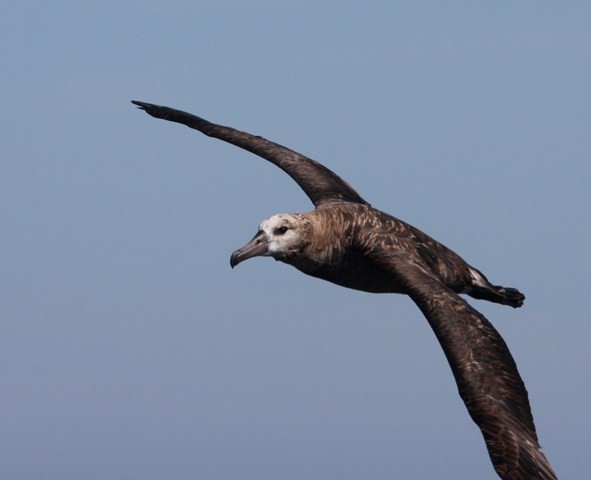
point(320, 184)
point(485, 372)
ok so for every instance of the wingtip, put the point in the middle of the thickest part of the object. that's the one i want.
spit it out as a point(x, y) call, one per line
point(150, 108)
point(141, 105)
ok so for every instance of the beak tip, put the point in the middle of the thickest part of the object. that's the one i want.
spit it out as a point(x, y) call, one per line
point(235, 259)
point(255, 248)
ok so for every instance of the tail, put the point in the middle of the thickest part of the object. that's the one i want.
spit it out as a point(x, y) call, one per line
point(482, 289)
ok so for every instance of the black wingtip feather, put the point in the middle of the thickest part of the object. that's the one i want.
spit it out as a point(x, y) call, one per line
point(146, 107)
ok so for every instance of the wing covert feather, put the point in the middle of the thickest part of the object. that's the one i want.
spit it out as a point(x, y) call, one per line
point(319, 183)
point(485, 372)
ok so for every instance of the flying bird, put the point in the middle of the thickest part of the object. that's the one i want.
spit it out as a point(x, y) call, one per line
point(346, 241)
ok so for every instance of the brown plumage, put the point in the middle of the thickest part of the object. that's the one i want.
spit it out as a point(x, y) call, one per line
point(348, 242)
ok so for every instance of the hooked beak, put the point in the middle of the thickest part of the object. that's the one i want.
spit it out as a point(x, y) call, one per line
point(255, 248)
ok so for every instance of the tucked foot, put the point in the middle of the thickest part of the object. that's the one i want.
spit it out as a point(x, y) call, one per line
point(510, 296)
point(482, 289)
point(497, 294)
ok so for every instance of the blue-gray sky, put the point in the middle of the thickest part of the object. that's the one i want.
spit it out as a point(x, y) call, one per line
point(128, 347)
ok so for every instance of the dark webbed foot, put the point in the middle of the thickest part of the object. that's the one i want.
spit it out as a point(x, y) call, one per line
point(510, 296)
point(497, 294)
point(482, 289)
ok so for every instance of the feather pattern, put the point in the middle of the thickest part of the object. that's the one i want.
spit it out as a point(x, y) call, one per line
point(318, 182)
point(348, 242)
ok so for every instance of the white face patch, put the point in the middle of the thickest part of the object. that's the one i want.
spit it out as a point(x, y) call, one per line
point(283, 233)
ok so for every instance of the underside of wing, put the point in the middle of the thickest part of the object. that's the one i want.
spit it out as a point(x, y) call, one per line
point(485, 372)
point(318, 182)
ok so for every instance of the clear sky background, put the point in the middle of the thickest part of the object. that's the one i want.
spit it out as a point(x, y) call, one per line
point(128, 347)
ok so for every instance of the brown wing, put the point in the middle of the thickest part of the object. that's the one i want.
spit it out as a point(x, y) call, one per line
point(318, 182)
point(484, 370)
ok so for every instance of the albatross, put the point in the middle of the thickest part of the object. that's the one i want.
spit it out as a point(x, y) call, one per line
point(346, 241)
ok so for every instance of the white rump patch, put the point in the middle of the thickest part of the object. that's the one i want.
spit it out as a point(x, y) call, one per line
point(477, 279)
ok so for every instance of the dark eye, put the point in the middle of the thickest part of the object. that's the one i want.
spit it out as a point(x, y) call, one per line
point(280, 230)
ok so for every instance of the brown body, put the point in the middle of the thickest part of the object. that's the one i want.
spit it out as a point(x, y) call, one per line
point(337, 240)
point(347, 242)
point(340, 235)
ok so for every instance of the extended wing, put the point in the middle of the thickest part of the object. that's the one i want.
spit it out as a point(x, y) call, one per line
point(484, 370)
point(318, 182)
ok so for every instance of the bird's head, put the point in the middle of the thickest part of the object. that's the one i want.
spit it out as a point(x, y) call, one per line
point(279, 236)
